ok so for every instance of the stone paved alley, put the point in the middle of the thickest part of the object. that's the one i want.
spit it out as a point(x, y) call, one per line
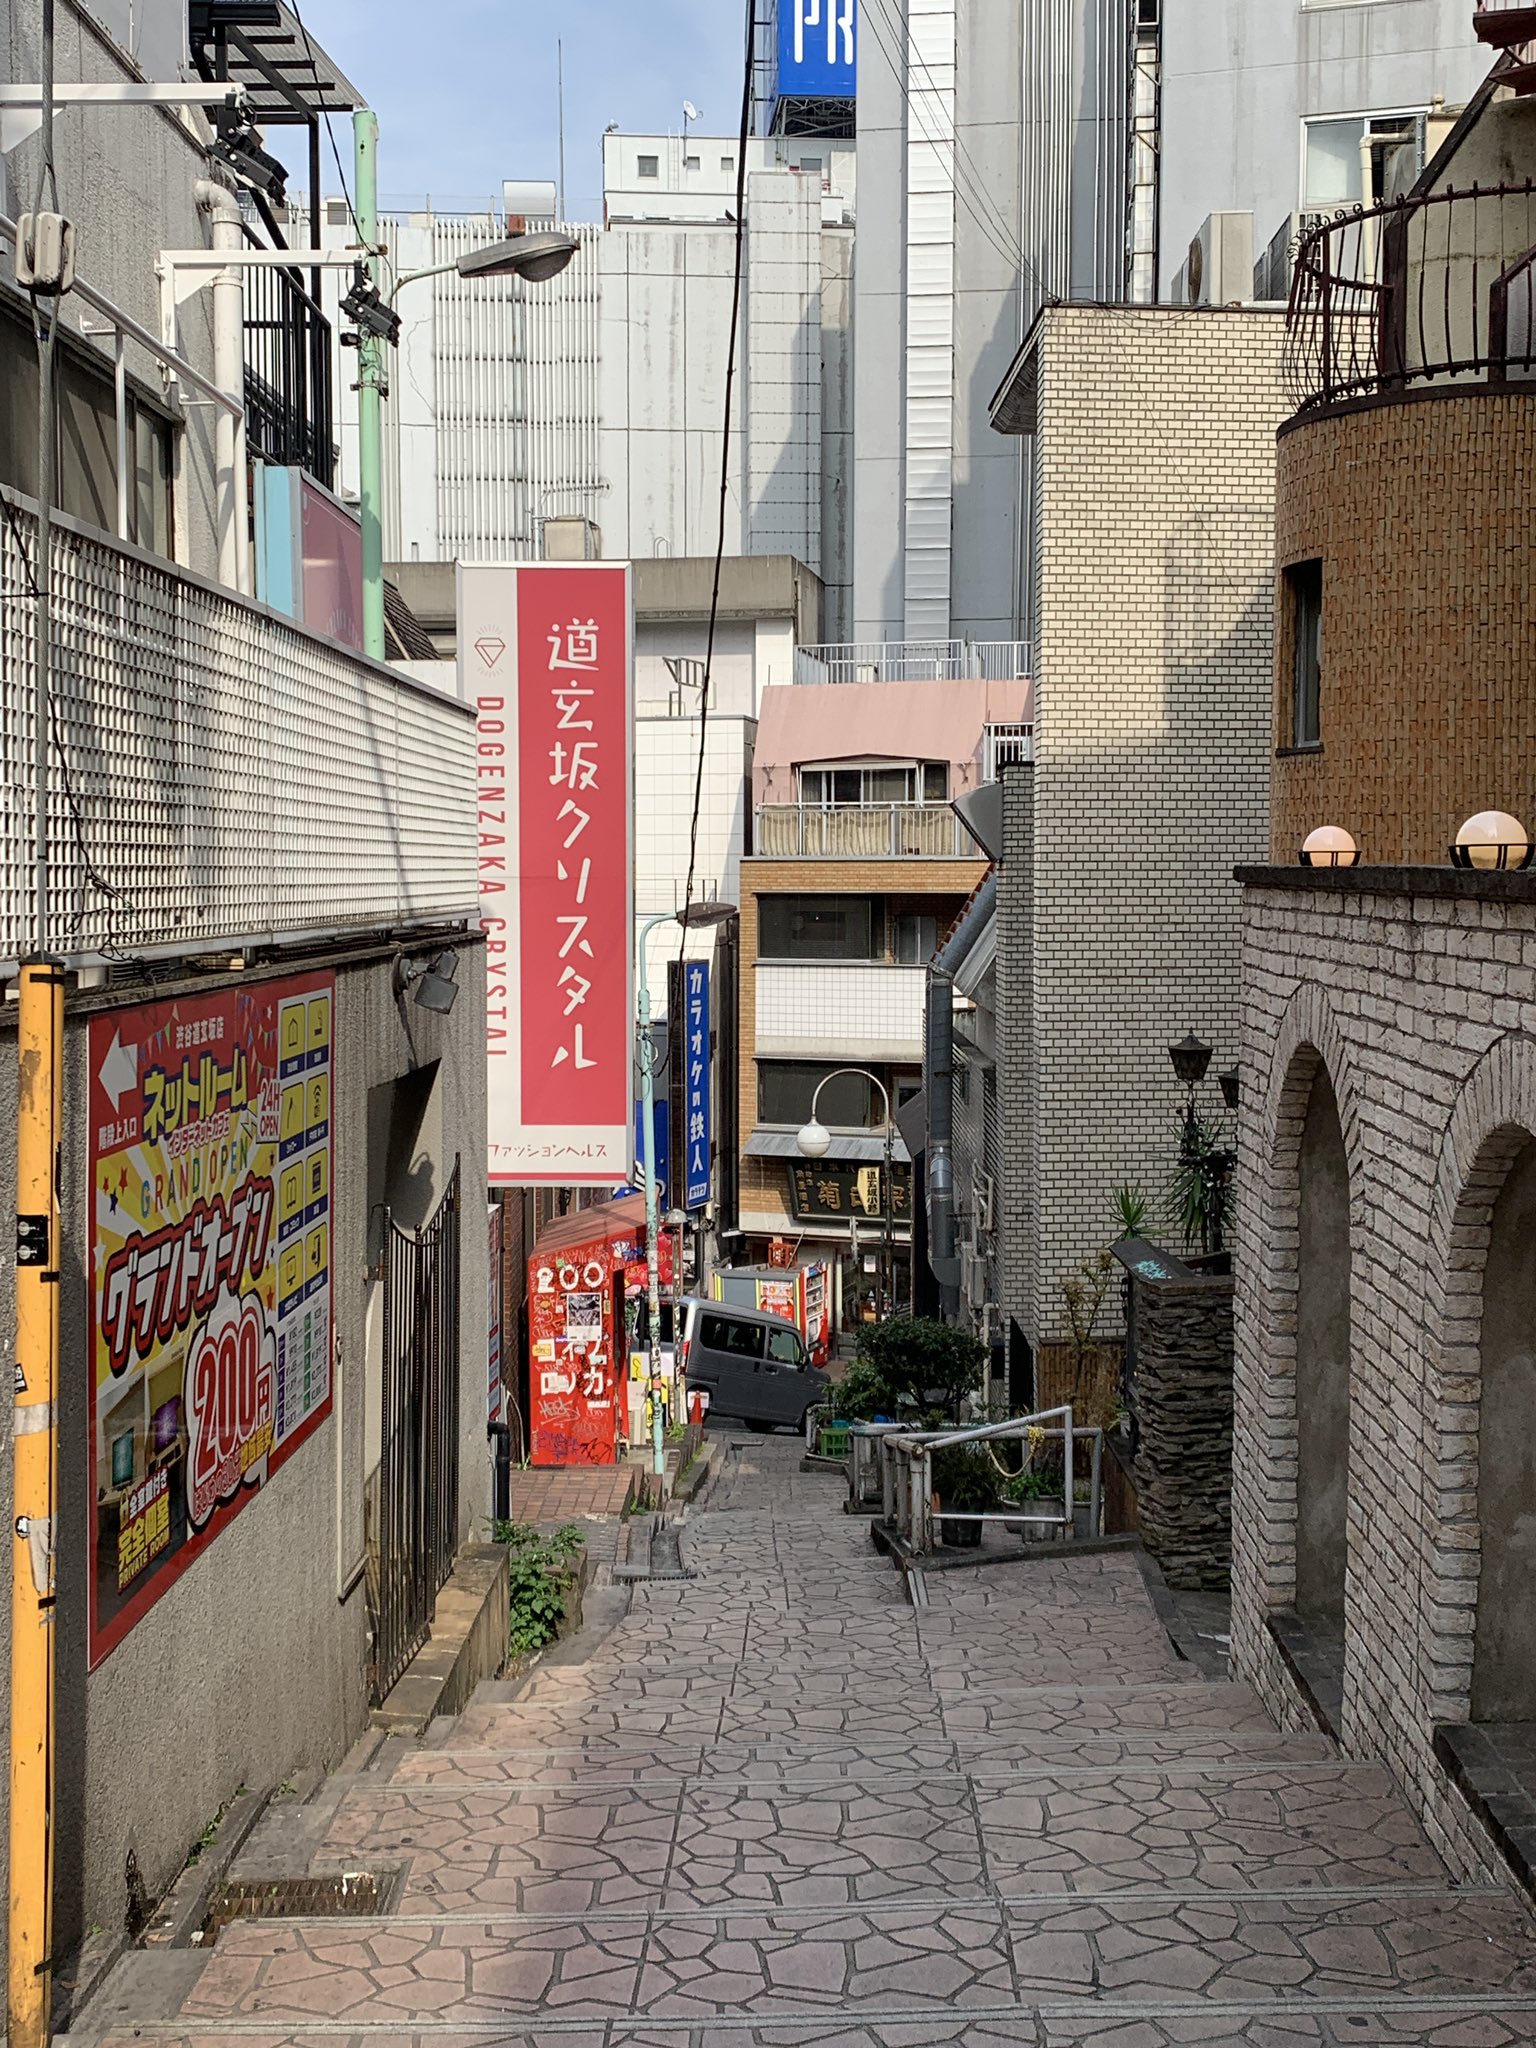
point(777, 1805)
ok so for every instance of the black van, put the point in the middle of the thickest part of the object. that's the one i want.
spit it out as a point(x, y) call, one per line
point(753, 1366)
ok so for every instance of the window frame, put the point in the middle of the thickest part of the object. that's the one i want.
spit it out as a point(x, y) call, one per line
point(1306, 601)
point(779, 951)
point(655, 167)
point(720, 1319)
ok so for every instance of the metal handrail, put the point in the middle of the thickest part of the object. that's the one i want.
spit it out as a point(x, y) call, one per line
point(912, 661)
point(1432, 288)
point(906, 1461)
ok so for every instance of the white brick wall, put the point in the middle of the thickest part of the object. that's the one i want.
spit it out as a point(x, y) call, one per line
point(1155, 461)
point(1416, 989)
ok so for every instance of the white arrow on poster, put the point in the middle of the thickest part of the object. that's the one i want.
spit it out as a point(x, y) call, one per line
point(119, 1069)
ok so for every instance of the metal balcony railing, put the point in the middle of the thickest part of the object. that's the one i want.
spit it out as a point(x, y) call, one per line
point(861, 832)
point(912, 661)
point(288, 397)
point(219, 775)
point(1435, 288)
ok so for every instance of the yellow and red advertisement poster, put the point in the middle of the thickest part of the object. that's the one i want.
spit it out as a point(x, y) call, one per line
point(210, 1153)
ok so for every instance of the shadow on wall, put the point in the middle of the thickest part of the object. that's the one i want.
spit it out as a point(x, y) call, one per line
point(1504, 1658)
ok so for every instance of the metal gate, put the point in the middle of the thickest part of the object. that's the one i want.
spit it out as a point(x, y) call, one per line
point(413, 1498)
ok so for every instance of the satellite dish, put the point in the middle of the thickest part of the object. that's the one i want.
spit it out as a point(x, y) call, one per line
point(690, 111)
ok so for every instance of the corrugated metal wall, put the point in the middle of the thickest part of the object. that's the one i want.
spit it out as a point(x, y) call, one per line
point(517, 399)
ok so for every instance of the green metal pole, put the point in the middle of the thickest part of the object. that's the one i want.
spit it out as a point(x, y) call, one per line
point(370, 385)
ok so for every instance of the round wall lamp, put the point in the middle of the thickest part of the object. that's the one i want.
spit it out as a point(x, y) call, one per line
point(1493, 839)
point(1330, 846)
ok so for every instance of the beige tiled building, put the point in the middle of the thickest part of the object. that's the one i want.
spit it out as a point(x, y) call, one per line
point(1152, 446)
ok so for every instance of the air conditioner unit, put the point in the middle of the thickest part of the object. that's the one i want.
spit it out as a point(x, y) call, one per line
point(983, 1200)
point(1272, 272)
point(973, 1278)
point(568, 539)
point(1219, 268)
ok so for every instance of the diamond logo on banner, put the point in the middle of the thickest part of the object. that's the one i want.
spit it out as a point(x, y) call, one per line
point(490, 651)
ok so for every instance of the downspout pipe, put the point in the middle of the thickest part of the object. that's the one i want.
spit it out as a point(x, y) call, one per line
point(227, 230)
point(938, 1087)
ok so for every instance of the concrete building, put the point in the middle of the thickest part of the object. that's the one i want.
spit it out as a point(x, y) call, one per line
point(261, 845)
point(1016, 153)
point(858, 870)
point(1382, 1550)
point(1153, 445)
point(599, 397)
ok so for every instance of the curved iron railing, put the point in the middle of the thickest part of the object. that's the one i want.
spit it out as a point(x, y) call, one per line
point(1436, 288)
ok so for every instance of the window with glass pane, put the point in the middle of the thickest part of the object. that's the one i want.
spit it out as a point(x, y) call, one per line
point(817, 928)
point(888, 785)
point(648, 167)
point(935, 782)
point(917, 940)
point(1305, 582)
point(1333, 163)
point(785, 1347)
point(785, 1089)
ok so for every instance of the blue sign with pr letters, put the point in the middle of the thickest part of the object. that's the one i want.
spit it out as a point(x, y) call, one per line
point(817, 49)
point(697, 1093)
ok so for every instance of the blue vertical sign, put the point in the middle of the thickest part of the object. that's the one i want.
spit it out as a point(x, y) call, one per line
point(662, 1126)
point(696, 1080)
point(817, 57)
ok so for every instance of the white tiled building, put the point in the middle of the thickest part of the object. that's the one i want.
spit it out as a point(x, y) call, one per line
point(1119, 918)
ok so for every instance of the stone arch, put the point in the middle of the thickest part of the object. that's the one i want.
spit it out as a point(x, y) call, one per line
point(1308, 1047)
point(1490, 1135)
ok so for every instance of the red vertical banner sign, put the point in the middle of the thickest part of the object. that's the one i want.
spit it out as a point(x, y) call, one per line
point(546, 656)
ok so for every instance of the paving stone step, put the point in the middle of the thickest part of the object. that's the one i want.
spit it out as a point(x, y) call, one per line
point(981, 1757)
point(939, 1958)
point(1272, 2026)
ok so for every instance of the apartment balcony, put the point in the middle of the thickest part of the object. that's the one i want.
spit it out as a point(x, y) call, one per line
point(853, 1010)
point(1433, 291)
point(913, 661)
point(219, 776)
point(289, 405)
point(861, 832)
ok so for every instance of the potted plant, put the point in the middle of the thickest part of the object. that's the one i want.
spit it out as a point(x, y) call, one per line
point(1039, 1490)
point(965, 1483)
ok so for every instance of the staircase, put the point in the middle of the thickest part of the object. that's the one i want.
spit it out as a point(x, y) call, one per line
point(775, 1806)
point(1510, 25)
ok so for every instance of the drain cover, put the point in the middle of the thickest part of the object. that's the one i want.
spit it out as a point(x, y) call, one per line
point(359, 1894)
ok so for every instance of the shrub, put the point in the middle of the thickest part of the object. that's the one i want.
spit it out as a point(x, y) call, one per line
point(861, 1394)
point(541, 1569)
point(925, 1367)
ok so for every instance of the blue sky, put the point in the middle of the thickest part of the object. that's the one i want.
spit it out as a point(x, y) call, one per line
point(465, 89)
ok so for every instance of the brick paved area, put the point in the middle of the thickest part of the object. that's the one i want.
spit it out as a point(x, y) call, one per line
point(776, 1807)
point(547, 1499)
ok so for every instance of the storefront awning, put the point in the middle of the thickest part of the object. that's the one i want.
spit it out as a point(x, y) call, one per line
point(861, 1148)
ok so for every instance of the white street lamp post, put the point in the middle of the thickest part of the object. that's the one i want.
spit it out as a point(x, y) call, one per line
point(815, 1141)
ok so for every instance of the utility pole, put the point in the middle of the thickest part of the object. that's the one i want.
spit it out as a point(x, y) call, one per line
point(370, 387)
point(45, 244)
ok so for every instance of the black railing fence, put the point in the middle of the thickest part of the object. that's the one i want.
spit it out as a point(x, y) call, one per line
point(412, 1501)
point(1435, 288)
point(288, 382)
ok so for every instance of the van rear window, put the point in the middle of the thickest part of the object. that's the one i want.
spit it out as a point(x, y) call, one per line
point(737, 1340)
